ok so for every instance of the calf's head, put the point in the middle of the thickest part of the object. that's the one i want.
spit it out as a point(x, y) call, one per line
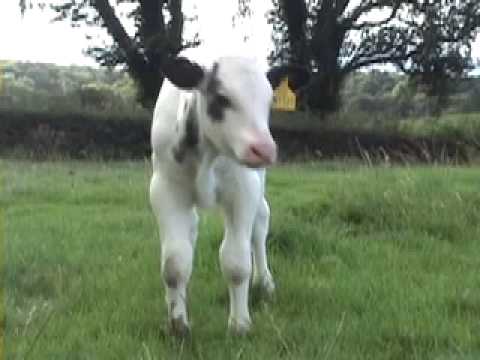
point(233, 105)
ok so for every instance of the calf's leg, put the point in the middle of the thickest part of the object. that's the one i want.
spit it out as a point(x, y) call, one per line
point(239, 205)
point(262, 278)
point(177, 221)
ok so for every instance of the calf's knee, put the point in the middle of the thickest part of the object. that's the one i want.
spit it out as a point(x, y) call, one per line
point(175, 270)
point(236, 267)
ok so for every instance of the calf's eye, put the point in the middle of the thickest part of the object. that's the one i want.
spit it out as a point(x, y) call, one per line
point(217, 105)
point(222, 101)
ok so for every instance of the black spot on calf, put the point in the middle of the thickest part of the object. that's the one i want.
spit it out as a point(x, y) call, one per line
point(190, 137)
point(216, 103)
point(191, 129)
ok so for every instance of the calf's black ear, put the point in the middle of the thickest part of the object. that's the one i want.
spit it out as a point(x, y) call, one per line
point(298, 76)
point(183, 73)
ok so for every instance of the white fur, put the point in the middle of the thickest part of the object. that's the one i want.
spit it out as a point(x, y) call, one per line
point(212, 175)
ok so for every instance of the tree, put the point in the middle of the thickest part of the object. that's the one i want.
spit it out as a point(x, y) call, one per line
point(430, 40)
point(158, 35)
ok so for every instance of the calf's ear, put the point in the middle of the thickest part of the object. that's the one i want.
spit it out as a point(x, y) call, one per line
point(183, 73)
point(298, 76)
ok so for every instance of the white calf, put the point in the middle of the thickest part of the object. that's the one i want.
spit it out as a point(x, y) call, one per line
point(210, 141)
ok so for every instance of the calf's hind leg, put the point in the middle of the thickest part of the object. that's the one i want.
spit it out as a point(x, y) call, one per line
point(177, 221)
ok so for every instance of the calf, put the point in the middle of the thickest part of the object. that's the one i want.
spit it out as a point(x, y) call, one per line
point(211, 141)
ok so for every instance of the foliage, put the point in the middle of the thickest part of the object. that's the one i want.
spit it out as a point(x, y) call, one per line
point(463, 127)
point(369, 263)
point(47, 135)
point(48, 110)
point(158, 35)
point(75, 89)
point(41, 135)
point(470, 96)
point(396, 96)
point(430, 41)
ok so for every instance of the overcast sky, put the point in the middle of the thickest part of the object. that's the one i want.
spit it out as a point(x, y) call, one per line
point(34, 38)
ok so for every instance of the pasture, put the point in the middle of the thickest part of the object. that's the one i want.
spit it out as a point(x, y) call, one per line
point(369, 263)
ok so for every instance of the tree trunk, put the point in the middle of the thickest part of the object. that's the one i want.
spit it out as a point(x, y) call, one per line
point(323, 92)
point(295, 15)
point(161, 41)
point(158, 41)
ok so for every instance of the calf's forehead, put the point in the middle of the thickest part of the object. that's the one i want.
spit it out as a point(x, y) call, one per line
point(244, 78)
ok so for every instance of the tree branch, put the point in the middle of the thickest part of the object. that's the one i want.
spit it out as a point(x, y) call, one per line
point(295, 14)
point(379, 59)
point(366, 7)
point(175, 24)
point(136, 62)
point(152, 19)
point(341, 6)
point(385, 21)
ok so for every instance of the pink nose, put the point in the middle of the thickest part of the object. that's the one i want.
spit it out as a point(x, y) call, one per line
point(262, 152)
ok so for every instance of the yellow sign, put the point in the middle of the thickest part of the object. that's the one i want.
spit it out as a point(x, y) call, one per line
point(285, 99)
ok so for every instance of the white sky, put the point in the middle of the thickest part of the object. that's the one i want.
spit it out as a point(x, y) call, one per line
point(34, 38)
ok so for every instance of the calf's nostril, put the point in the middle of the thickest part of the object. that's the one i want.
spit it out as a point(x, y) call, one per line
point(261, 150)
point(255, 151)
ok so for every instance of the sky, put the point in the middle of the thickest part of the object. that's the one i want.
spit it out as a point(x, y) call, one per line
point(44, 41)
point(35, 38)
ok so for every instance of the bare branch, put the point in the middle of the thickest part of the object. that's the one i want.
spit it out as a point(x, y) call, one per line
point(385, 21)
point(117, 31)
point(175, 24)
point(295, 15)
point(379, 59)
point(152, 19)
point(365, 7)
point(341, 6)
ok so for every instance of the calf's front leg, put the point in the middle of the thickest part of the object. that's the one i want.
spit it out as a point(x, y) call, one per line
point(236, 251)
point(236, 264)
point(177, 221)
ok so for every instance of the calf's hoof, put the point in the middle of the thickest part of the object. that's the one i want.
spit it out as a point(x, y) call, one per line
point(264, 286)
point(179, 328)
point(239, 327)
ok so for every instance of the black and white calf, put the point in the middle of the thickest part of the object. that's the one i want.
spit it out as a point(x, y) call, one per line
point(211, 141)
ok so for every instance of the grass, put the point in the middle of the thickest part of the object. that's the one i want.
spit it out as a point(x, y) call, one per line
point(370, 263)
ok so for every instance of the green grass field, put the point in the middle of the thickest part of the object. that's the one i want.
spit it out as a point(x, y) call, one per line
point(370, 263)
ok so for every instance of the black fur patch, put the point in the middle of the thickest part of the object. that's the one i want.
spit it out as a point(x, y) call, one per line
point(191, 129)
point(183, 73)
point(216, 103)
point(190, 137)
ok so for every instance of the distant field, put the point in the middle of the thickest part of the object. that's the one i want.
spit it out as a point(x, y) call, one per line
point(370, 263)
